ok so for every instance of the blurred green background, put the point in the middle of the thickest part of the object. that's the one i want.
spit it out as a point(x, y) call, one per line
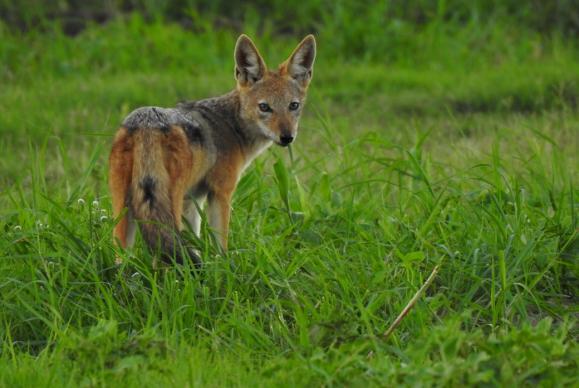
point(415, 32)
point(281, 17)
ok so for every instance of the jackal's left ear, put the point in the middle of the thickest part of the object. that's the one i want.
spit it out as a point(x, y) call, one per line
point(249, 66)
point(300, 65)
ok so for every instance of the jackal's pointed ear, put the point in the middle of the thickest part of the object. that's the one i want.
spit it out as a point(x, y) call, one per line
point(249, 66)
point(300, 65)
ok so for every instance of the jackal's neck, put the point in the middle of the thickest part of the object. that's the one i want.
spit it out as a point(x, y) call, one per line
point(224, 112)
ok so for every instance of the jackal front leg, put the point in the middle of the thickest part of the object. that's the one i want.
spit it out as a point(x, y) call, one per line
point(218, 211)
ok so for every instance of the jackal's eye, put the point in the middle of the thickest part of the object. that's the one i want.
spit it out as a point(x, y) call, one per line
point(264, 107)
point(294, 105)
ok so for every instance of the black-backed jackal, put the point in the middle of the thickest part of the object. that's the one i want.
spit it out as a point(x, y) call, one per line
point(164, 161)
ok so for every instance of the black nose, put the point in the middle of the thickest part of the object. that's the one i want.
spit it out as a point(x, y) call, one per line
point(285, 140)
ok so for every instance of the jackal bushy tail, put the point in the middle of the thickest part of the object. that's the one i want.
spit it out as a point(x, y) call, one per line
point(149, 201)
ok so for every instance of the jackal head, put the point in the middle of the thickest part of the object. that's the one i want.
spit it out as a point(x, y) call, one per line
point(272, 101)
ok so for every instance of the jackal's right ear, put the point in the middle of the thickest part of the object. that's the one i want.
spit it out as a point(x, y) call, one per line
point(249, 66)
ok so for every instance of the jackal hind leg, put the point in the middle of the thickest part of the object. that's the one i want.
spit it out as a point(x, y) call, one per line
point(120, 171)
point(192, 214)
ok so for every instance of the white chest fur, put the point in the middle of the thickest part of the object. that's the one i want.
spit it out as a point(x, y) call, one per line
point(254, 152)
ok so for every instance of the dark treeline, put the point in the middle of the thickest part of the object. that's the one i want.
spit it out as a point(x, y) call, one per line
point(281, 16)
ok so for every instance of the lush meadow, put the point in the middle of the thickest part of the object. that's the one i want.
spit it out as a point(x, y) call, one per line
point(449, 142)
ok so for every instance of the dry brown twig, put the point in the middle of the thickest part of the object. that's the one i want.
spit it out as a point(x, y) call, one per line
point(411, 304)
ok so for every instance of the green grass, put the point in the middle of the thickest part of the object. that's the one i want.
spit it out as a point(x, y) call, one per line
point(454, 159)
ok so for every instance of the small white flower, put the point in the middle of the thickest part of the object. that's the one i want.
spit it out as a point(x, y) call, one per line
point(80, 201)
point(17, 228)
point(103, 218)
point(104, 211)
point(95, 203)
